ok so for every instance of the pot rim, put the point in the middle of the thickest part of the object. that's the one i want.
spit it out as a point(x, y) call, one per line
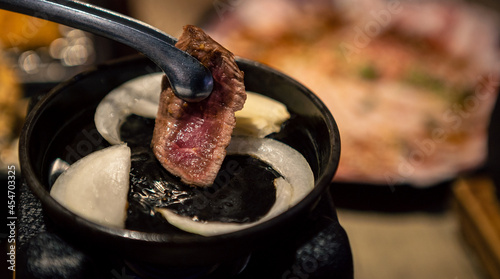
point(37, 187)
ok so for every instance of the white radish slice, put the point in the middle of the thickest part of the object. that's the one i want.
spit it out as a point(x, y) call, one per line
point(96, 186)
point(296, 182)
point(259, 117)
point(137, 96)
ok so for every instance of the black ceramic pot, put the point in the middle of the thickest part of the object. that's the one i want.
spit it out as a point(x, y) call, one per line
point(70, 106)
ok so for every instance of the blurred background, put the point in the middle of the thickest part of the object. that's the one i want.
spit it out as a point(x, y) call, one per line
point(412, 85)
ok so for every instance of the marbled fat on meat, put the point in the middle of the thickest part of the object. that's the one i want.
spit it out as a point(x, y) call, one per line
point(190, 139)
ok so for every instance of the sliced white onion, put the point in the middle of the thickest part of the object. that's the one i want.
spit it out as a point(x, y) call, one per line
point(211, 228)
point(282, 158)
point(96, 186)
point(259, 117)
point(138, 96)
point(296, 182)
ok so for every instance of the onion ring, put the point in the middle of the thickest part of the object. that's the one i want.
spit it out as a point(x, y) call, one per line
point(137, 96)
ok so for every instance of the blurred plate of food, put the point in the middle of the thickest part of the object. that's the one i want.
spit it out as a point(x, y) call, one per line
point(411, 83)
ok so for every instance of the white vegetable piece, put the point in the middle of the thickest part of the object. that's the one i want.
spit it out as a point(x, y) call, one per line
point(296, 182)
point(283, 197)
point(137, 96)
point(259, 117)
point(282, 158)
point(96, 186)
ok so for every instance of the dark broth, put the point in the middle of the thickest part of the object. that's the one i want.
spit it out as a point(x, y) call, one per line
point(243, 190)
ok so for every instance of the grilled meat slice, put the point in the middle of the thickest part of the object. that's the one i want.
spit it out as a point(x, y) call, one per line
point(190, 139)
